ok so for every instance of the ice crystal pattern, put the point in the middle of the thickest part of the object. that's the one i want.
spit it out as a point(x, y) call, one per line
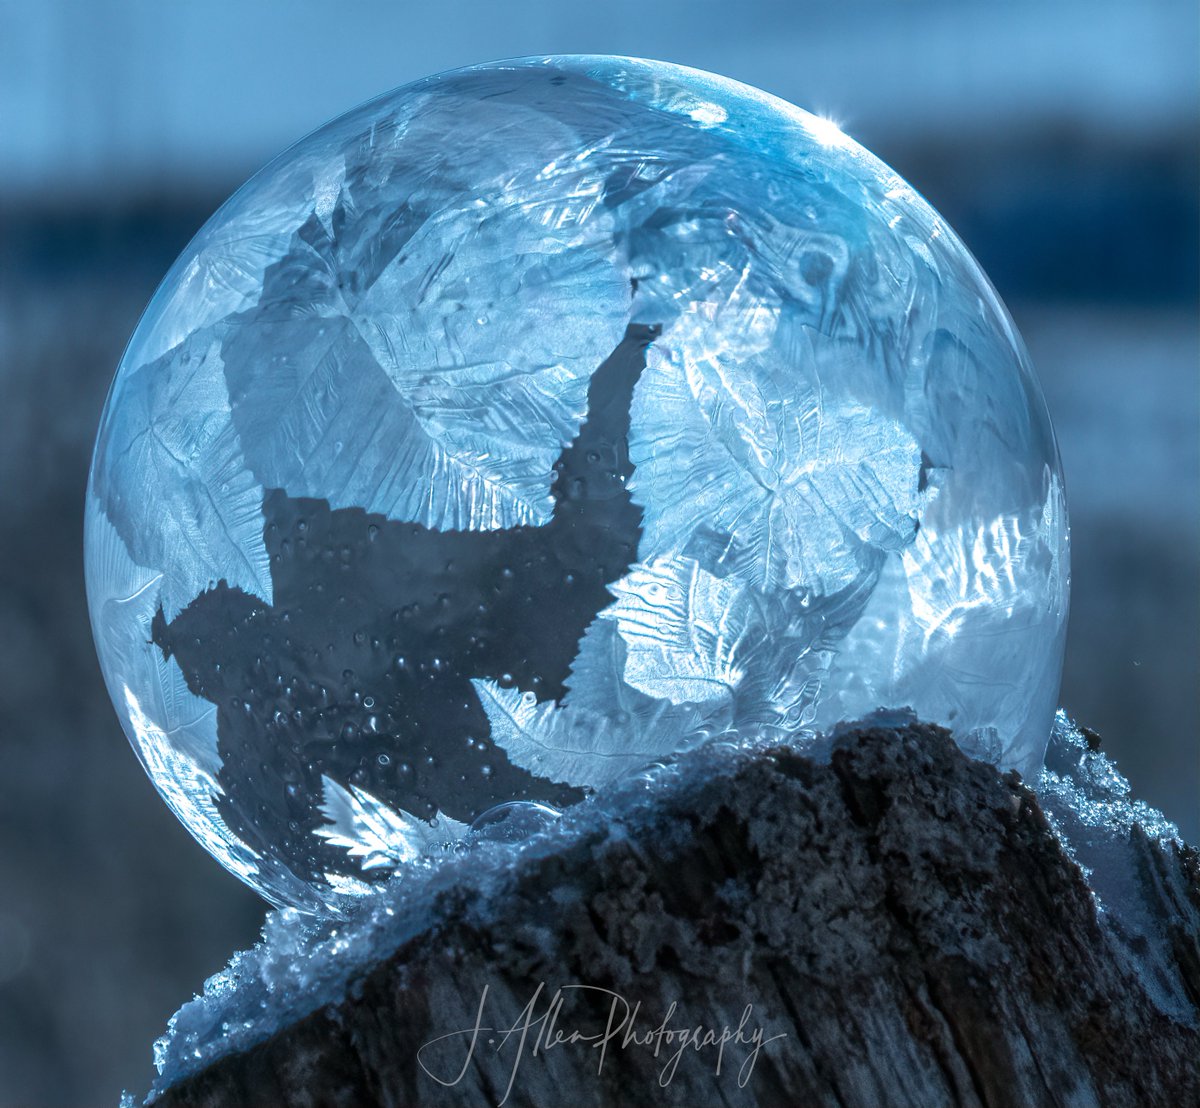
point(539, 420)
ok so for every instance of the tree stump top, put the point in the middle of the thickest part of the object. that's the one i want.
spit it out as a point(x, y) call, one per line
point(885, 921)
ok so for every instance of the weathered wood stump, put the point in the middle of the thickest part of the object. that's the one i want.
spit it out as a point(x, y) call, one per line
point(899, 925)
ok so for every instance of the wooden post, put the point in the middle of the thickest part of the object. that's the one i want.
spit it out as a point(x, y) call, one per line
point(898, 924)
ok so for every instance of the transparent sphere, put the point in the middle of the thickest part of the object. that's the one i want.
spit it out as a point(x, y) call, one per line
point(538, 420)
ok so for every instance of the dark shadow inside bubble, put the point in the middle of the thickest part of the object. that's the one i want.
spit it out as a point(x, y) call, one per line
point(361, 668)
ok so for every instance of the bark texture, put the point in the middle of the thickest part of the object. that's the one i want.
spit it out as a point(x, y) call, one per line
point(902, 915)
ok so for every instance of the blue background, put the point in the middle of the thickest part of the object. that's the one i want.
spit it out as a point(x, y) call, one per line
point(1059, 139)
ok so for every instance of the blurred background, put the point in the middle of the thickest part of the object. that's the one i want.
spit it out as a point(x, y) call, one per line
point(1059, 139)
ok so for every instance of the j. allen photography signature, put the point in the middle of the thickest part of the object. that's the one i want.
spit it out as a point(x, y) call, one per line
point(542, 1026)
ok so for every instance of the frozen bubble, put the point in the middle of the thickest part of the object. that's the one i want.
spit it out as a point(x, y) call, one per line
point(579, 407)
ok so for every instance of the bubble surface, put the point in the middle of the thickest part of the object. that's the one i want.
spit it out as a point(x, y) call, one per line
point(536, 421)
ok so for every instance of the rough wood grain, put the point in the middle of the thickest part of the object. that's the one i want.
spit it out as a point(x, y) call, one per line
point(902, 915)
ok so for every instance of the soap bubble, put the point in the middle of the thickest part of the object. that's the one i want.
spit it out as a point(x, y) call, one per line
point(539, 420)
point(513, 822)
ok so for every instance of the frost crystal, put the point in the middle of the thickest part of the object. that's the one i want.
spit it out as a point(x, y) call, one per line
point(1111, 835)
point(378, 836)
point(539, 420)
